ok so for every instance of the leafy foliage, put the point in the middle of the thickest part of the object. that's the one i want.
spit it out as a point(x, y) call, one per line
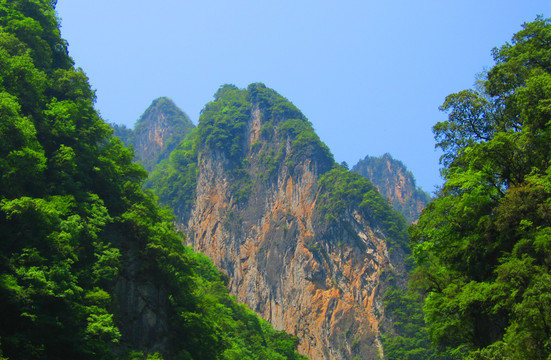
point(409, 339)
point(174, 180)
point(343, 189)
point(222, 122)
point(126, 135)
point(72, 207)
point(281, 117)
point(482, 244)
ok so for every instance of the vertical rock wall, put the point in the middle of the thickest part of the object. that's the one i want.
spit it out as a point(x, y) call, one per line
point(319, 281)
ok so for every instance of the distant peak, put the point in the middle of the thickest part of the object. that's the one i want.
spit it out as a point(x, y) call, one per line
point(164, 107)
point(395, 182)
point(163, 103)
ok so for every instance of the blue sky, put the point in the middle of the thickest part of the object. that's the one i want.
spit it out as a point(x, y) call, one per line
point(369, 75)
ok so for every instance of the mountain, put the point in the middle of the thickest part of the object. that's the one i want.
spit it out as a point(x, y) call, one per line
point(395, 183)
point(307, 244)
point(156, 133)
point(90, 266)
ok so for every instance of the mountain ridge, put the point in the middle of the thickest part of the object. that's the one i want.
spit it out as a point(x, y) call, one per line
point(265, 206)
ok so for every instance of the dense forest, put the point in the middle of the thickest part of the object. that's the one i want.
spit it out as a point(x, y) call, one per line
point(483, 245)
point(91, 267)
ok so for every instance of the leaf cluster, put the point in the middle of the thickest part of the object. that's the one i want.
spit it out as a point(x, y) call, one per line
point(482, 244)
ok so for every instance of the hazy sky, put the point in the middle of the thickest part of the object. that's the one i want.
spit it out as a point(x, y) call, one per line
point(369, 75)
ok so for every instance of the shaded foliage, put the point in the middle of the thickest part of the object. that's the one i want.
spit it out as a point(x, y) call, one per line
point(409, 339)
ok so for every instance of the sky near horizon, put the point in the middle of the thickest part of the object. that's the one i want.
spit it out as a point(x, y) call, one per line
point(369, 75)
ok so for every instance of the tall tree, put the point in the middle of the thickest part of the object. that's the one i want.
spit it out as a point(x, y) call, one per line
point(483, 246)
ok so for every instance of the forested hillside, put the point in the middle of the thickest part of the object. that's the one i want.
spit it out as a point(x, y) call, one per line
point(90, 267)
point(483, 246)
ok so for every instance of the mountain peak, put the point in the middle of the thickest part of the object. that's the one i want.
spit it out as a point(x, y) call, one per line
point(157, 132)
point(163, 108)
point(305, 243)
point(395, 183)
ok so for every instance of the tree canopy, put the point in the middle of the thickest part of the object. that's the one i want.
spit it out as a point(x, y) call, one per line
point(483, 246)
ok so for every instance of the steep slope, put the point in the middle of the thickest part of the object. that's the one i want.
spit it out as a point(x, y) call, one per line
point(395, 183)
point(157, 132)
point(305, 243)
point(90, 267)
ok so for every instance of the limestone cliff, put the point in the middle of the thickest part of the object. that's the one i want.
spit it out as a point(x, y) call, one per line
point(395, 183)
point(305, 243)
point(157, 132)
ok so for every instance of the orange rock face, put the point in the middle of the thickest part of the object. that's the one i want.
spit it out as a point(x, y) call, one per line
point(318, 281)
point(152, 136)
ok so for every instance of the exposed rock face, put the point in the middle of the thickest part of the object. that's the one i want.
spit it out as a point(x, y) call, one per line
point(158, 131)
point(317, 283)
point(395, 183)
point(319, 280)
point(143, 303)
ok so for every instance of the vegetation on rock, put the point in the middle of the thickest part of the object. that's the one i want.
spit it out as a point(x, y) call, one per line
point(157, 132)
point(86, 253)
point(395, 183)
point(344, 189)
point(223, 128)
point(248, 144)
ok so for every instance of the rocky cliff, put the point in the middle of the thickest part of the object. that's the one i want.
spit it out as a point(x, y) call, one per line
point(304, 242)
point(395, 183)
point(157, 132)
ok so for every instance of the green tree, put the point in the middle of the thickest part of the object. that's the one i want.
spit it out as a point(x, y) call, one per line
point(482, 244)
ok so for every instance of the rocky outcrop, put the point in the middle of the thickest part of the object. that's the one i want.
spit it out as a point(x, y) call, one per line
point(395, 183)
point(157, 132)
point(260, 218)
point(316, 282)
